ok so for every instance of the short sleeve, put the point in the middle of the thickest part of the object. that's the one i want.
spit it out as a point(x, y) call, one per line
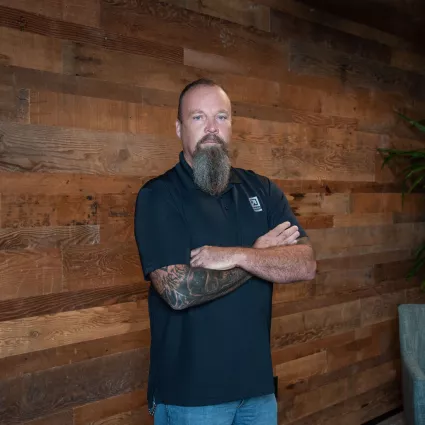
point(279, 209)
point(161, 234)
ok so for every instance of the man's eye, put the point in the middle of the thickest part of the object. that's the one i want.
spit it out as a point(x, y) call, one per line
point(197, 117)
point(222, 117)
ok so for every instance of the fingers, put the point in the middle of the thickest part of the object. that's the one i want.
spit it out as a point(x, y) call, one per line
point(292, 238)
point(279, 229)
point(196, 251)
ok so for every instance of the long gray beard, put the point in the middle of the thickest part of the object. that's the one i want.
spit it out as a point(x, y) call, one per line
point(211, 167)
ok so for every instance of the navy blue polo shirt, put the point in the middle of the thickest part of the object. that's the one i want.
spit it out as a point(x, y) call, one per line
point(219, 351)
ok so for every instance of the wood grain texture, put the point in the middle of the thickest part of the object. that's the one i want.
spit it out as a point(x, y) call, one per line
point(244, 12)
point(307, 59)
point(39, 80)
point(43, 332)
point(357, 409)
point(57, 149)
point(69, 301)
point(14, 104)
point(63, 418)
point(133, 417)
point(351, 241)
point(124, 404)
point(88, 61)
point(291, 27)
point(42, 268)
point(48, 237)
point(188, 29)
point(72, 184)
point(85, 382)
point(28, 363)
point(101, 265)
point(323, 17)
point(27, 210)
point(15, 46)
point(77, 11)
point(44, 26)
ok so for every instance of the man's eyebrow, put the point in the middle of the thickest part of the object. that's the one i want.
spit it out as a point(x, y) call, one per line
point(200, 111)
point(196, 111)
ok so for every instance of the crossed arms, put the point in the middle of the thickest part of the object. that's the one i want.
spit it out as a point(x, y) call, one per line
point(277, 256)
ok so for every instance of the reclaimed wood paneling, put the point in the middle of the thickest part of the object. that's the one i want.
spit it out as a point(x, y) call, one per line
point(244, 12)
point(61, 30)
point(307, 59)
point(88, 101)
point(27, 363)
point(85, 12)
point(75, 384)
point(42, 332)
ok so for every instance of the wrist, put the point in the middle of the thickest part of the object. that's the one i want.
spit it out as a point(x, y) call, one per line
point(239, 257)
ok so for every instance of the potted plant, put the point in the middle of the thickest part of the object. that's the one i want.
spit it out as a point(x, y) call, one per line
point(412, 165)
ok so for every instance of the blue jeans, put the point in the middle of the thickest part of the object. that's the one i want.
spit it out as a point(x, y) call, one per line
point(251, 411)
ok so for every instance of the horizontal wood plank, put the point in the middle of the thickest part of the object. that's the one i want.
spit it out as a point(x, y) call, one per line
point(33, 148)
point(48, 237)
point(101, 265)
point(46, 53)
point(61, 30)
point(71, 184)
point(29, 363)
point(152, 20)
point(244, 12)
point(69, 301)
point(314, 324)
point(307, 59)
point(63, 418)
point(292, 27)
point(88, 61)
point(14, 104)
point(95, 379)
point(28, 210)
point(37, 333)
point(77, 11)
point(43, 268)
point(102, 409)
point(352, 241)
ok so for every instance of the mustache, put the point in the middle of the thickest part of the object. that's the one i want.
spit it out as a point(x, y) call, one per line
point(212, 138)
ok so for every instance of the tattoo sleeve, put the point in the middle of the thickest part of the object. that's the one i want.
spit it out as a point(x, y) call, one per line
point(182, 286)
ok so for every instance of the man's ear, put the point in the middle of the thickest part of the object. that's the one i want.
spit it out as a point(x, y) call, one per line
point(179, 129)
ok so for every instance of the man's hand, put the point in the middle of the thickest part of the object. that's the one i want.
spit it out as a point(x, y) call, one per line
point(214, 257)
point(283, 234)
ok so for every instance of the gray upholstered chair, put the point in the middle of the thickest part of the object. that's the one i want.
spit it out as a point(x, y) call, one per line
point(412, 345)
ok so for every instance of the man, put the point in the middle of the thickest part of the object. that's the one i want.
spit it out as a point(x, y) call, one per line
point(212, 239)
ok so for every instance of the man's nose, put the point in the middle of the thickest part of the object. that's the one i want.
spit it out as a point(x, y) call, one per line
point(211, 126)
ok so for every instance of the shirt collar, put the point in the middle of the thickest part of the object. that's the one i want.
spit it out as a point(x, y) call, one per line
point(234, 178)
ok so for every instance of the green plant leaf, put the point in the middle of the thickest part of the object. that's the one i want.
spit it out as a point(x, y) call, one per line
point(420, 178)
point(420, 251)
point(416, 267)
point(416, 124)
point(413, 170)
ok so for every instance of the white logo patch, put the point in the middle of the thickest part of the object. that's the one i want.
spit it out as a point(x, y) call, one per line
point(255, 204)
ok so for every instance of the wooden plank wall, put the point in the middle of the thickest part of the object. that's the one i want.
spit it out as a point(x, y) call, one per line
point(88, 96)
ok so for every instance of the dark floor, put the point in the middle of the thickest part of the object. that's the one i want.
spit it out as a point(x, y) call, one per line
point(394, 420)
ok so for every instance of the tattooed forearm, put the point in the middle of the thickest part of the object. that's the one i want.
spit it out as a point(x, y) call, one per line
point(182, 286)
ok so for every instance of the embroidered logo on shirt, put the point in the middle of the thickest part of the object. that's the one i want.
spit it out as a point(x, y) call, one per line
point(255, 204)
